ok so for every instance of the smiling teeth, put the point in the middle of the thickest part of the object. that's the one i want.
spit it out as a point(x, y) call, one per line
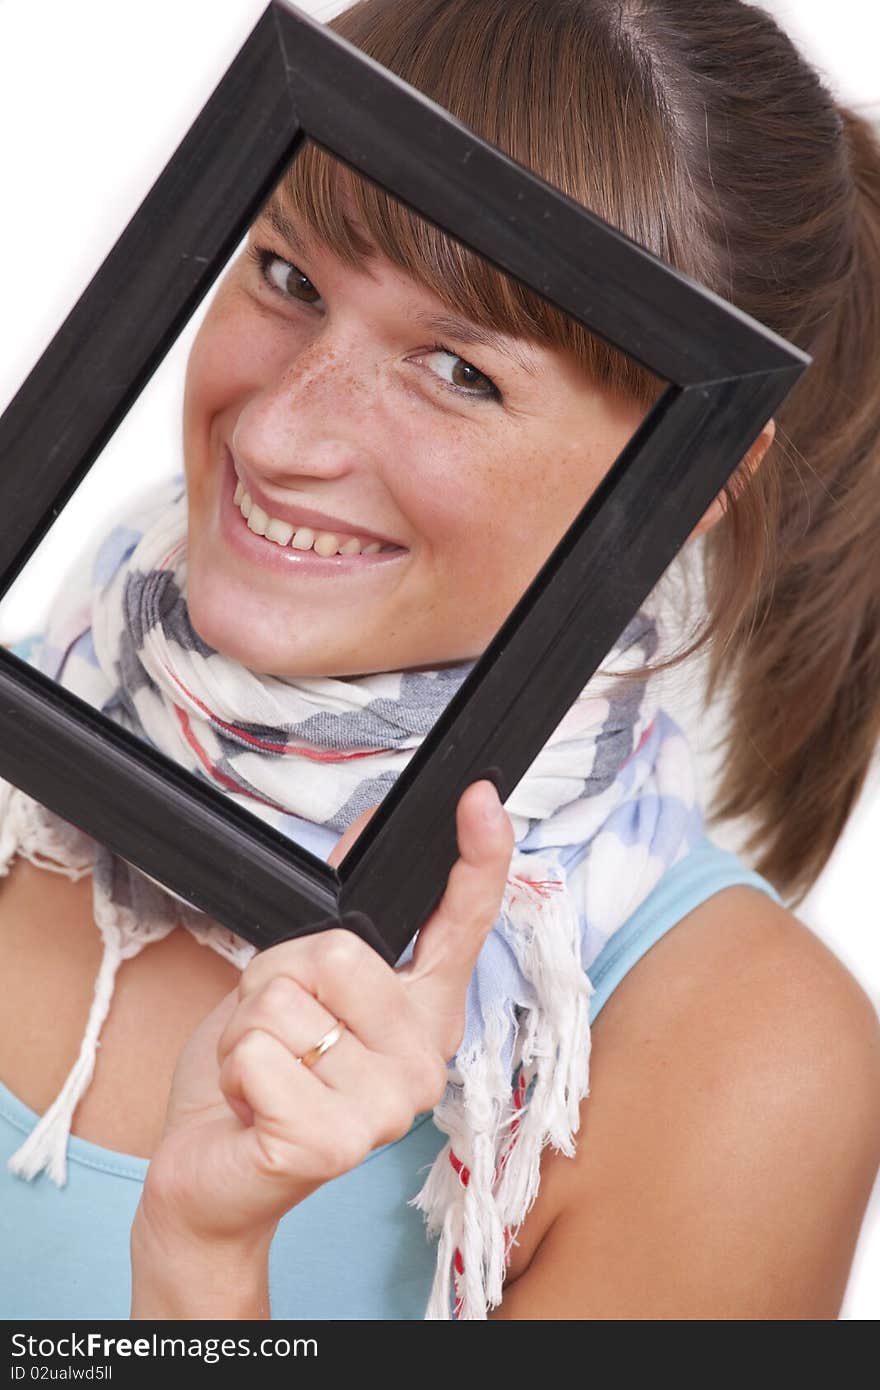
point(324, 543)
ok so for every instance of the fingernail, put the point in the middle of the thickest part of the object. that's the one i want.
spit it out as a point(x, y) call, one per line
point(494, 812)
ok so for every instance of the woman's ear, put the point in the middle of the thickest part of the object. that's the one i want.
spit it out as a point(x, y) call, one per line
point(751, 461)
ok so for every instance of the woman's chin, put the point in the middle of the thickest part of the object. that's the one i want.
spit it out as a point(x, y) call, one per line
point(226, 627)
point(250, 637)
point(231, 621)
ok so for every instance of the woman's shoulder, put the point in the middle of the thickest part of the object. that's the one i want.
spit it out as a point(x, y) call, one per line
point(732, 1132)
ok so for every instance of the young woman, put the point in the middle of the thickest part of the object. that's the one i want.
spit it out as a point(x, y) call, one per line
point(383, 438)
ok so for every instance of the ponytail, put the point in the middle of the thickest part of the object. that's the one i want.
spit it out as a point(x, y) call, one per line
point(805, 665)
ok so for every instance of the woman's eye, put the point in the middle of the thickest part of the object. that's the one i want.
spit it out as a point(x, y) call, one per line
point(464, 378)
point(285, 279)
point(281, 275)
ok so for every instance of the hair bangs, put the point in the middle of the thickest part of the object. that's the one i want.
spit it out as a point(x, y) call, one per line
point(356, 219)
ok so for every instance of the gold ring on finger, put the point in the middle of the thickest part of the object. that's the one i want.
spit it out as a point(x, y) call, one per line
point(323, 1045)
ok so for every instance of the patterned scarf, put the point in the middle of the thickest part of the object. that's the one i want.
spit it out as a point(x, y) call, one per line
point(605, 809)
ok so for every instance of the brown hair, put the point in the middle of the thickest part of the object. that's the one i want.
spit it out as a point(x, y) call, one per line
point(701, 132)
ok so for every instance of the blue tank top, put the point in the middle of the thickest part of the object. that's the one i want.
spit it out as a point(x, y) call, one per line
point(353, 1249)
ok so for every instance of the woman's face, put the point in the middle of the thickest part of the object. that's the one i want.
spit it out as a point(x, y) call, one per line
point(326, 390)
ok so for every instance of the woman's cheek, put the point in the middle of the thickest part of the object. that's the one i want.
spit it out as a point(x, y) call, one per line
point(234, 348)
point(226, 360)
point(459, 482)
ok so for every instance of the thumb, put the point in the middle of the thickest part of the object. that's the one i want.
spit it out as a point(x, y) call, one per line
point(450, 941)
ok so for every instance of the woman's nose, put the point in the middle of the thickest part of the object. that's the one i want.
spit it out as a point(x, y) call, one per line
point(312, 418)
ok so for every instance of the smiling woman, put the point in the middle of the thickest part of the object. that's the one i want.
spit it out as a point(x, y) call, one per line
point(319, 386)
point(383, 439)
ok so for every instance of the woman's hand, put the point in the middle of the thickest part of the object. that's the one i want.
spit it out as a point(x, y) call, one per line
point(250, 1131)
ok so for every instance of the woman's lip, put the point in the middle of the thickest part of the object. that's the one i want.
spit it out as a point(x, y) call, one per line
point(307, 516)
point(284, 559)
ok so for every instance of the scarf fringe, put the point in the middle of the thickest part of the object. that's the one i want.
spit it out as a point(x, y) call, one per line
point(46, 1145)
point(486, 1178)
point(440, 1301)
point(25, 830)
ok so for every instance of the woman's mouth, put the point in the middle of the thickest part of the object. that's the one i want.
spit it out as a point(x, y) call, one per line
point(269, 541)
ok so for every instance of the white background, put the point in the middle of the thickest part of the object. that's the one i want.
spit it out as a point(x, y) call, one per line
point(94, 99)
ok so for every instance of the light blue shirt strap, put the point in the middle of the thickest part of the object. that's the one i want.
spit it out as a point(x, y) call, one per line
point(704, 871)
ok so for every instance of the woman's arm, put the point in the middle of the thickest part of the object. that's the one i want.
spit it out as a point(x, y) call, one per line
point(174, 1276)
point(729, 1145)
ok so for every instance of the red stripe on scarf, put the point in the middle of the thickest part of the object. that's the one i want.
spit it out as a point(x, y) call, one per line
point(316, 755)
point(542, 886)
point(213, 771)
point(642, 741)
point(464, 1173)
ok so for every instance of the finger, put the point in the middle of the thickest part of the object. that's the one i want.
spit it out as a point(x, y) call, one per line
point(448, 944)
point(374, 1107)
point(288, 1013)
point(300, 1126)
point(352, 982)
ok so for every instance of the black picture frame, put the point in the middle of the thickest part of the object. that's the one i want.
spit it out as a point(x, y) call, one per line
point(294, 79)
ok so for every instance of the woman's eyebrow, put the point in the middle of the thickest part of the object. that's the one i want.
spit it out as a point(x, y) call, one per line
point(464, 330)
point(279, 221)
